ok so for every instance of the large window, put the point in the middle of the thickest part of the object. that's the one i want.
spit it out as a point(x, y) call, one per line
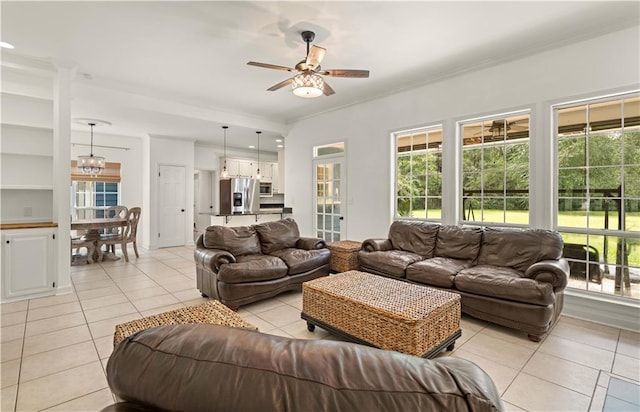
point(419, 173)
point(495, 170)
point(90, 199)
point(598, 192)
point(92, 194)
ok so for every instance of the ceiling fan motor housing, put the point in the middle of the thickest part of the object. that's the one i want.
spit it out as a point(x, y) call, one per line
point(308, 36)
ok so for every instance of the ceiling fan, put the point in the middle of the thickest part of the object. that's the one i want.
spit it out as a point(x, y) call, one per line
point(309, 82)
point(497, 127)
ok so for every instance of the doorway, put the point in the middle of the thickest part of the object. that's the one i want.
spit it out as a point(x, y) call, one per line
point(172, 205)
point(330, 183)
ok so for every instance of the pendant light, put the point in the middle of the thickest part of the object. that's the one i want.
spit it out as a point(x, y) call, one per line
point(225, 173)
point(258, 176)
point(91, 165)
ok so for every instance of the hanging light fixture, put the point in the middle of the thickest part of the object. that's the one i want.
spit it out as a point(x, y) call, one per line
point(307, 84)
point(91, 165)
point(258, 175)
point(225, 173)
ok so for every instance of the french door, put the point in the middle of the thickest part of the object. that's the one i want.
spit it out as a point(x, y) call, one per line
point(330, 208)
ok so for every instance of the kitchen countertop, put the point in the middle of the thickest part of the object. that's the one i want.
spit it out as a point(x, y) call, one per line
point(268, 211)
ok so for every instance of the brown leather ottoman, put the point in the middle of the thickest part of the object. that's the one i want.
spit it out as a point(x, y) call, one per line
point(212, 312)
point(382, 312)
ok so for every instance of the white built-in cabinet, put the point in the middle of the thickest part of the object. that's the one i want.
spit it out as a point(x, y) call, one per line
point(28, 262)
point(249, 168)
point(29, 253)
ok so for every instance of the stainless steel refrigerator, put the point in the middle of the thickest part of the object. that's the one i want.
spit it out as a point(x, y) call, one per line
point(239, 195)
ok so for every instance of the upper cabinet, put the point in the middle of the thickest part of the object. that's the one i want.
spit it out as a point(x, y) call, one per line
point(249, 168)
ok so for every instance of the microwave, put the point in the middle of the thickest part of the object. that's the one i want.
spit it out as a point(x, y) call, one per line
point(266, 189)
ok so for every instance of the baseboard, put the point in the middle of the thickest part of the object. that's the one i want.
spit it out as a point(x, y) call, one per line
point(64, 290)
point(607, 310)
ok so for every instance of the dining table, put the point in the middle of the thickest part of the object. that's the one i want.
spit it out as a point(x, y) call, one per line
point(93, 227)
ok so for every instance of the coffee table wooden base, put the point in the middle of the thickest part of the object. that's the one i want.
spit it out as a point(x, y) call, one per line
point(448, 344)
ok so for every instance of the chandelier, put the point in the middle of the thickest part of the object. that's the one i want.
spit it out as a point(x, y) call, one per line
point(307, 84)
point(91, 165)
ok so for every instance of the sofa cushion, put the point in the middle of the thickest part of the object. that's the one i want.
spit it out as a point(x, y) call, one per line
point(390, 262)
point(239, 241)
point(301, 260)
point(415, 237)
point(252, 268)
point(278, 235)
point(458, 242)
point(504, 283)
point(518, 248)
point(438, 271)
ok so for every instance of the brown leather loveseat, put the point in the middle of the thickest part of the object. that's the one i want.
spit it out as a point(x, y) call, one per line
point(244, 264)
point(512, 277)
point(218, 368)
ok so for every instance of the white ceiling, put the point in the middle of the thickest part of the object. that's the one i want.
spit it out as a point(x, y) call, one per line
point(179, 68)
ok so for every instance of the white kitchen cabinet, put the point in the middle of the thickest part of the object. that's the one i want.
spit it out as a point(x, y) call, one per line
point(233, 167)
point(266, 171)
point(275, 179)
point(28, 263)
point(246, 168)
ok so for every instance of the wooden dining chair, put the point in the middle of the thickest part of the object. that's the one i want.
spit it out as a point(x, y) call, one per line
point(78, 243)
point(113, 212)
point(127, 235)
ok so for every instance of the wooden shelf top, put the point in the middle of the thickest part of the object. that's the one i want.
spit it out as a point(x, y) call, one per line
point(27, 225)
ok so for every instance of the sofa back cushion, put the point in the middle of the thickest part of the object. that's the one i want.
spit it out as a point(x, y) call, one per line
point(519, 248)
point(239, 241)
point(458, 242)
point(278, 235)
point(414, 237)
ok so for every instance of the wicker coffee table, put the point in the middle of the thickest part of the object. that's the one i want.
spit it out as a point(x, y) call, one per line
point(382, 312)
point(212, 312)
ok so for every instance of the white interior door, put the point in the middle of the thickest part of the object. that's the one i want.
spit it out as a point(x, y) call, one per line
point(330, 182)
point(172, 205)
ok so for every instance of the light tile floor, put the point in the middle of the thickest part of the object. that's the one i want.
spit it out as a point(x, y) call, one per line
point(54, 349)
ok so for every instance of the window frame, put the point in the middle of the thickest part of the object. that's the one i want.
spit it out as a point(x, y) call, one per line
point(591, 233)
point(92, 197)
point(396, 154)
point(460, 125)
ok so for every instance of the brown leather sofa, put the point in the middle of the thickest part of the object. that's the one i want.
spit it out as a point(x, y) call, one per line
point(512, 277)
point(244, 264)
point(218, 368)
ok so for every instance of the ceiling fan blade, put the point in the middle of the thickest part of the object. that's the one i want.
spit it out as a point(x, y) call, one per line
point(327, 90)
point(270, 66)
point(280, 85)
point(345, 73)
point(315, 56)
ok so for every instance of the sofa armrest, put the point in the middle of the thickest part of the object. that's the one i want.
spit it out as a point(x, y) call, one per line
point(376, 245)
point(555, 272)
point(310, 243)
point(212, 258)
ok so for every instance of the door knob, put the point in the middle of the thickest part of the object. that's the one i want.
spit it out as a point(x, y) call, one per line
point(341, 217)
point(182, 210)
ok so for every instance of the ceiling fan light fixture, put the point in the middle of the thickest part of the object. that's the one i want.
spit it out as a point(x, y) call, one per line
point(307, 85)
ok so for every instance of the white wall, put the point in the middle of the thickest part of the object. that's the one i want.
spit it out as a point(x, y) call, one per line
point(172, 152)
point(588, 68)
